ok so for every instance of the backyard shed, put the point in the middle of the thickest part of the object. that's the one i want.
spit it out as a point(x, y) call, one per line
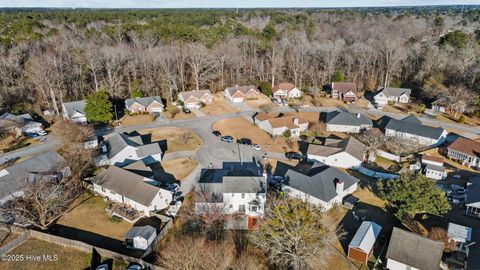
point(140, 237)
point(361, 246)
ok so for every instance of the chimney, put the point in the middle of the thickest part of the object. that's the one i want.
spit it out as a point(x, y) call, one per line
point(295, 121)
point(358, 115)
point(339, 186)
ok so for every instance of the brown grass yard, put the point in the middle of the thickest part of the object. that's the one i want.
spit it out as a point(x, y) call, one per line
point(242, 128)
point(175, 137)
point(180, 168)
point(67, 258)
point(89, 214)
point(180, 115)
point(11, 141)
point(273, 162)
point(137, 119)
point(6, 237)
point(259, 101)
point(218, 106)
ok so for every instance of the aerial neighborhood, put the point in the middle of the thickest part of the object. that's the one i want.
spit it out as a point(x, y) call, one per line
point(247, 139)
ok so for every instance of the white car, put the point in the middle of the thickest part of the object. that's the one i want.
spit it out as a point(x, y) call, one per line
point(256, 146)
point(174, 208)
point(42, 133)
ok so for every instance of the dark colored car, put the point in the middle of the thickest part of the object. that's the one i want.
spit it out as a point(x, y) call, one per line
point(294, 155)
point(228, 139)
point(186, 110)
point(245, 141)
point(216, 133)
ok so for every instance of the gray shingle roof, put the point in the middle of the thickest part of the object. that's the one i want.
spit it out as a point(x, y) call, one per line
point(350, 145)
point(144, 101)
point(394, 91)
point(408, 125)
point(317, 179)
point(127, 184)
point(473, 191)
point(233, 180)
point(243, 89)
point(13, 178)
point(119, 141)
point(73, 107)
point(414, 250)
point(347, 119)
point(140, 231)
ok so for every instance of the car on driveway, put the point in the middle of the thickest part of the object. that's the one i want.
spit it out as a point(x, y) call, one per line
point(174, 208)
point(294, 155)
point(186, 110)
point(228, 139)
point(135, 266)
point(245, 141)
point(216, 133)
point(173, 187)
point(256, 146)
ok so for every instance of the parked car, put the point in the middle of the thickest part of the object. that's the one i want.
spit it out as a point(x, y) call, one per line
point(42, 133)
point(256, 146)
point(228, 139)
point(186, 110)
point(174, 208)
point(293, 155)
point(102, 267)
point(245, 141)
point(216, 133)
point(173, 187)
point(461, 190)
point(134, 266)
point(32, 135)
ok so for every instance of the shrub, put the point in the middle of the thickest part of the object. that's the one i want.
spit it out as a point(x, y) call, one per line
point(421, 108)
point(391, 102)
point(461, 119)
point(287, 133)
point(202, 104)
point(116, 219)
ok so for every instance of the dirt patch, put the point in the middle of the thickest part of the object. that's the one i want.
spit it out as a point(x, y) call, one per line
point(259, 101)
point(180, 168)
point(242, 128)
point(218, 106)
point(180, 115)
point(178, 139)
point(89, 214)
point(327, 102)
point(138, 119)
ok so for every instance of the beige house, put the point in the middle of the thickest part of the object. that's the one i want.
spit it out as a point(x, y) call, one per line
point(145, 104)
point(193, 99)
point(240, 93)
point(277, 124)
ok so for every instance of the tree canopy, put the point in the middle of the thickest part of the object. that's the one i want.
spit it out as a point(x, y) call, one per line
point(98, 108)
point(412, 194)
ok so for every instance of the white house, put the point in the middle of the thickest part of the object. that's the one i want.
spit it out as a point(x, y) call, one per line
point(140, 237)
point(239, 190)
point(316, 183)
point(392, 94)
point(276, 124)
point(410, 251)
point(286, 90)
point(240, 93)
point(472, 200)
point(340, 121)
point(344, 153)
point(22, 123)
point(126, 187)
point(75, 111)
point(465, 151)
point(194, 99)
point(410, 128)
point(433, 167)
point(125, 149)
point(144, 104)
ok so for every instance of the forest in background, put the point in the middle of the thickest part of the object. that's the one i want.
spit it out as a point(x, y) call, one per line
point(49, 56)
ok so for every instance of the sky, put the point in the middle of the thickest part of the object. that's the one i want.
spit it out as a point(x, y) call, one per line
point(225, 3)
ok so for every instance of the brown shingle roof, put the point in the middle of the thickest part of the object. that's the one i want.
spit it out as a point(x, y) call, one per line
point(466, 146)
point(331, 146)
point(283, 86)
point(344, 87)
point(432, 158)
point(197, 94)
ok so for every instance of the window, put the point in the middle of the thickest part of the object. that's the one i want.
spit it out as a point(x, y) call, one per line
point(243, 195)
point(231, 206)
point(241, 208)
point(103, 189)
point(254, 208)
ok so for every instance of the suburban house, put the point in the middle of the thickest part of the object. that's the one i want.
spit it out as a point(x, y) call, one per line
point(440, 105)
point(140, 237)
point(194, 99)
point(433, 167)
point(465, 151)
point(277, 123)
point(20, 124)
point(75, 111)
point(410, 128)
point(361, 246)
point(144, 104)
point(316, 183)
point(387, 95)
point(240, 93)
point(124, 149)
point(472, 198)
point(340, 121)
point(13, 178)
point(286, 90)
point(125, 187)
point(346, 91)
point(410, 251)
point(343, 153)
point(236, 190)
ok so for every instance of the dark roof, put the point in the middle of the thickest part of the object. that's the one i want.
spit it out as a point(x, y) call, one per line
point(20, 118)
point(140, 231)
point(344, 87)
point(317, 179)
point(414, 250)
point(127, 184)
point(73, 107)
point(347, 119)
point(473, 191)
point(238, 179)
point(144, 101)
point(394, 91)
point(332, 146)
point(13, 178)
point(408, 125)
point(243, 89)
point(412, 119)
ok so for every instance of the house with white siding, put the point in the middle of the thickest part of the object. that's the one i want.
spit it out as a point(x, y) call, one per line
point(195, 98)
point(144, 104)
point(316, 183)
point(410, 128)
point(341, 121)
point(465, 152)
point(20, 123)
point(433, 167)
point(286, 91)
point(75, 111)
point(392, 94)
point(346, 91)
point(240, 93)
point(140, 237)
point(123, 186)
point(124, 149)
point(343, 153)
point(277, 123)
